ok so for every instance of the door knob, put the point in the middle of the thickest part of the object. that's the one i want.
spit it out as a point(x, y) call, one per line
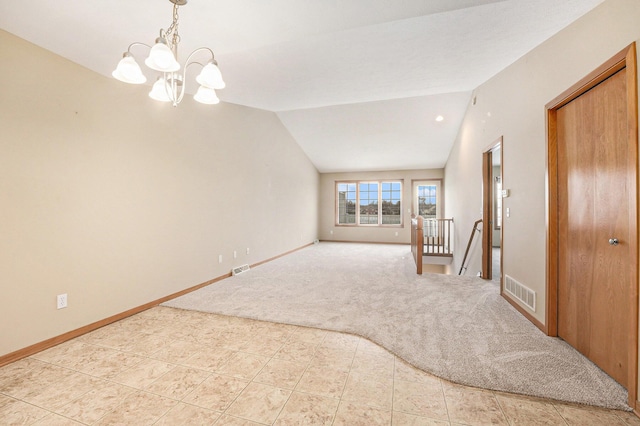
point(613, 241)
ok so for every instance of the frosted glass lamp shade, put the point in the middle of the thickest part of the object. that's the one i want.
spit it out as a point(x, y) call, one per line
point(128, 71)
point(159, 91)
point(161, 58)
point(210, 77)
point(206, 95)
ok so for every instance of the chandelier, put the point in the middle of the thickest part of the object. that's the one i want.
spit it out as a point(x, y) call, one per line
point(170, 86)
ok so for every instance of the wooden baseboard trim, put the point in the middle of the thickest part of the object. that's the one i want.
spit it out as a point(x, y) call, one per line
point(280, 255)
point(365, 242)
point(46, 344)
point(526, 314)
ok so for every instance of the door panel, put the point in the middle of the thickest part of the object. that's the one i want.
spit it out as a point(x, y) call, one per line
point(593, 207)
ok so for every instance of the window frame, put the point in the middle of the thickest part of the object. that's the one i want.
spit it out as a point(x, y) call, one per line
point(437, 182)
point(357, 184)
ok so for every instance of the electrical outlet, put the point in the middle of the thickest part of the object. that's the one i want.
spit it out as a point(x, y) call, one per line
point(247, 250)
point(62, 301)
point(235, 254)
point(219, 258)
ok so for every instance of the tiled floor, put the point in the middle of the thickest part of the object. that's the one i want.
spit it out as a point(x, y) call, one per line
point(172, 367)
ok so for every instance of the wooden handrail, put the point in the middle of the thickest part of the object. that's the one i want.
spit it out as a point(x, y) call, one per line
point(466, 252)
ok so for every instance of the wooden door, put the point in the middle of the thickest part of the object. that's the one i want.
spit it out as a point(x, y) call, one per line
point(594, 225)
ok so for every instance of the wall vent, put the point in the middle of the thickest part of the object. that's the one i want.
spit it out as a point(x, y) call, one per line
point(520, 292)
point(239, 269)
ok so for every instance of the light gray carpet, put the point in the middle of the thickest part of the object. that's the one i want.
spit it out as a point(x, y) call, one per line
point(458, 328)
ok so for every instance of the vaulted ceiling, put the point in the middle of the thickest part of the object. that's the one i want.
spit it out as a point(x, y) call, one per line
point(358, 83)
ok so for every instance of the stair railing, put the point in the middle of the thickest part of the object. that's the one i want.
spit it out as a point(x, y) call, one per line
point(466, 252)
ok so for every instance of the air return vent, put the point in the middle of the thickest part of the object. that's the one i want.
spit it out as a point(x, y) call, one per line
point(520, 292)
point(239, 269)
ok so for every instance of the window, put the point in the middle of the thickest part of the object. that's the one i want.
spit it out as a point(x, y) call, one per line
point(347, 203)
point(391, 196)
point(378, 203)
point(368, 203)
point(427, 201)
point(426, 198)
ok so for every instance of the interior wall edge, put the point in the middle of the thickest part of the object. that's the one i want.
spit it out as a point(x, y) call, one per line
point(49, 343)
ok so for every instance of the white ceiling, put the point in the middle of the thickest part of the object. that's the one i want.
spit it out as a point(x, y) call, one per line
point(358, 83)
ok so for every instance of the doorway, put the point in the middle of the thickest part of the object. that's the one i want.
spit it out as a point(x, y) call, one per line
point(496, 214)
point(492, 212)
point(592, 282)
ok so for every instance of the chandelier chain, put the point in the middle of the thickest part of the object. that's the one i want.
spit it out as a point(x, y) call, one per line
point(172, 31)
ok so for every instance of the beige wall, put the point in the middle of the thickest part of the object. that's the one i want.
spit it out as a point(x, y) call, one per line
point(512, 104)
point(328, 229)
point(117, 200)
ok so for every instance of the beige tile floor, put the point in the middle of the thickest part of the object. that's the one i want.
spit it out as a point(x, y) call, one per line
point(172, 367)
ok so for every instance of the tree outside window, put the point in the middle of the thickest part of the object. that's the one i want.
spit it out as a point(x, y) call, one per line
point(391, 210)
point(368, 203)
point(427, 201)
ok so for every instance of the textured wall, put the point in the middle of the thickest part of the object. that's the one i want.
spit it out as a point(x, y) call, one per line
point(512, 105)
point(118, 200)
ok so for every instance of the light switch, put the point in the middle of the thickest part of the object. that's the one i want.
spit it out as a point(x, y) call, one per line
point(508, 212)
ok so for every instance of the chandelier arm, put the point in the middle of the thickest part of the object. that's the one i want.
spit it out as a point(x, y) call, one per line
point(171, 90)
point(184, 85)
point(194, 63)
point(198, 50)
point(174, 90)
point(137, 43)
point(184, 81)
point(169, 84)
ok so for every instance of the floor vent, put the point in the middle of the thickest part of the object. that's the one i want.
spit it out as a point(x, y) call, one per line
point(520, 292)
point(239, 269)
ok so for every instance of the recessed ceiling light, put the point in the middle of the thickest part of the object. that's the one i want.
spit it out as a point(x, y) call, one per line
point(439, 118)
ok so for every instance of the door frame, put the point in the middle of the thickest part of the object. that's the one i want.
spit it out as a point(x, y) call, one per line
point(488, 212)
point(625, 58)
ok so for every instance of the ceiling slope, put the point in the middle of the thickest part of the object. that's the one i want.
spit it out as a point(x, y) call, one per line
point(358, 83)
